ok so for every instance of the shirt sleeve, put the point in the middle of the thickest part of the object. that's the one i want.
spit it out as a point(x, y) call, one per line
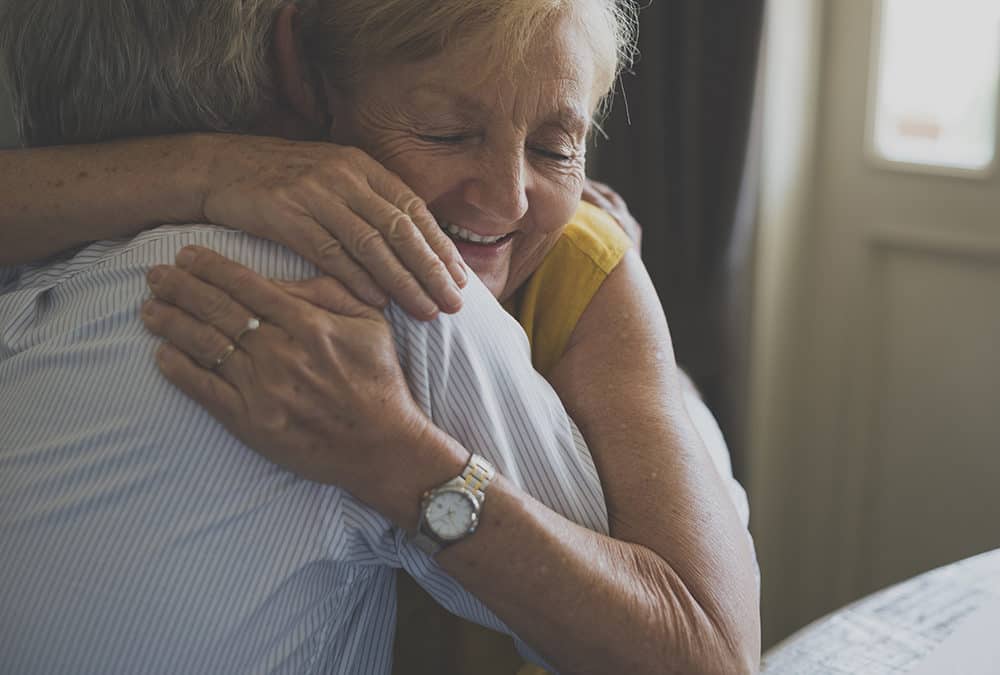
point(472, 373)
point(8, 275)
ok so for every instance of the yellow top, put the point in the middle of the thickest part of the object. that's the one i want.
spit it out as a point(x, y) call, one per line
point(548, 307)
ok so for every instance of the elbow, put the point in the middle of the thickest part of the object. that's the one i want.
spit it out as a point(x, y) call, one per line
point(725, 645)
point(715, 656)
point(709, 654)
point(708, 637)
point(744, 661)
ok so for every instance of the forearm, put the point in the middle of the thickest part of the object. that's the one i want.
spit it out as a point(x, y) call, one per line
point(588, 603)
point(54, 198)
point(585, 601)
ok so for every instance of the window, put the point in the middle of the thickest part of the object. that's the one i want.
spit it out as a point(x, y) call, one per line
point(935, 84)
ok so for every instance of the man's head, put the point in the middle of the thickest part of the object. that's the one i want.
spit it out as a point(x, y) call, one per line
point(87, 70)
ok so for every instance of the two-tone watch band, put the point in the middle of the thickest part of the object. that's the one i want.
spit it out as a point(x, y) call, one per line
point(477, 475)
point(472, 482)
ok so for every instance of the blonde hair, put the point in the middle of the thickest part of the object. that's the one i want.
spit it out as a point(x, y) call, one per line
point(346, 38)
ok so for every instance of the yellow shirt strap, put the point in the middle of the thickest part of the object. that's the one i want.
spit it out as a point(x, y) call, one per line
point(552, 301)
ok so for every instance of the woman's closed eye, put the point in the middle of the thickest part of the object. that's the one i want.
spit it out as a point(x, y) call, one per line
point(448, 139)
point(555, 155)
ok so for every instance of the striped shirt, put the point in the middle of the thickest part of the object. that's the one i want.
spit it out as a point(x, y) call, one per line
point(138, 536)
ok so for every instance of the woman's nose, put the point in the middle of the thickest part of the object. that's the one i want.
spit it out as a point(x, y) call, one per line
point(500, 191)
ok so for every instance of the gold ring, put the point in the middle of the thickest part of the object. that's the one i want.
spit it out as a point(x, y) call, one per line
point(226, 353)
point(253, 323)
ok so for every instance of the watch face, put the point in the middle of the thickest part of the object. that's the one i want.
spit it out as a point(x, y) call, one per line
point(450, 514)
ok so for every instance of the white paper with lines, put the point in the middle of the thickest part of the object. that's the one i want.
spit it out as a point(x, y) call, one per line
point(893, 631)
point(973, 649)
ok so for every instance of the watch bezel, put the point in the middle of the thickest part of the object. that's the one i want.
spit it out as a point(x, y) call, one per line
point(428, 526)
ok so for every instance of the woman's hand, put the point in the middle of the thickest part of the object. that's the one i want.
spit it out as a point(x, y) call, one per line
point(333, 205)
point(602, 196)
point(343, 211)
point(317, 387)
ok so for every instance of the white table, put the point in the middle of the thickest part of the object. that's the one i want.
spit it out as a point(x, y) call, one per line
point(891, 631)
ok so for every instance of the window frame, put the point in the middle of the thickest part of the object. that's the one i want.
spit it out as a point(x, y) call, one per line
point(871, 151)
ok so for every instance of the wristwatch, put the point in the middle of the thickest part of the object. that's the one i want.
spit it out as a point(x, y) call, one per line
point(450, 512)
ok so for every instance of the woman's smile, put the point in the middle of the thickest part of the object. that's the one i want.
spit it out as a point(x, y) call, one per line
point(498, 160)
point(483, 253)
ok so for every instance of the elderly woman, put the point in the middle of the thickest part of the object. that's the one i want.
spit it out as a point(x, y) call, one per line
point(481, 108)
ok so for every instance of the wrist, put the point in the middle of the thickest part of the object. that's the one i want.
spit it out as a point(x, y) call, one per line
point(427, 460)
point(202, 171)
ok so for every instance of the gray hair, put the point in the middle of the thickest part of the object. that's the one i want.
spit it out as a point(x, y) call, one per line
point(82, 71)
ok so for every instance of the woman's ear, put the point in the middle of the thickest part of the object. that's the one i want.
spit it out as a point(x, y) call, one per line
point(294, 78)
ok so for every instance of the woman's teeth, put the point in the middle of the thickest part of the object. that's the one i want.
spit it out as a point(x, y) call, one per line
point(466, 235)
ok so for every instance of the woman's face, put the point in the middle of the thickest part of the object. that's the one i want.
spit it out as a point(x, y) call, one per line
point(499, 159)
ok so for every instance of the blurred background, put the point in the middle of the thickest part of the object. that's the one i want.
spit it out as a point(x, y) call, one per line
point(816, 181)
point(822, 222)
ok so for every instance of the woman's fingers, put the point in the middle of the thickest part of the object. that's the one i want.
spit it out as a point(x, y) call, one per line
point(322, 249)
point(206, 302)
point(208, 389)
point(593, 194)
point(604, 197)
point(203, 343)
point(371, 249)
point(342, 210)
point(258, 295)
point(397, 193)
point(327, 293)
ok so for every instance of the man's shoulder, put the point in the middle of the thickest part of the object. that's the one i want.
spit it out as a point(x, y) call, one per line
point(158, 246)
point(482, 325)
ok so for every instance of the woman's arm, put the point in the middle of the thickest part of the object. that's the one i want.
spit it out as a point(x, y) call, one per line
point(334, 205)
point(672, 591)
point(59, 197)
point(674, 588)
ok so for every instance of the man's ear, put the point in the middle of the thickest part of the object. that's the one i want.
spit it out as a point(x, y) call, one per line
point(295, 82)
point(338, 121)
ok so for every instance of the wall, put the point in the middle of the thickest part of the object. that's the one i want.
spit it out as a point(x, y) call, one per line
point(7, 136)
point(791, 72)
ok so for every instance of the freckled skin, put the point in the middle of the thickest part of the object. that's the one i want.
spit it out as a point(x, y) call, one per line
point(493, 153)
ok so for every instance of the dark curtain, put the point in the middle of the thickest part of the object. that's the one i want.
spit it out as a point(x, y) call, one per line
point(681, 150)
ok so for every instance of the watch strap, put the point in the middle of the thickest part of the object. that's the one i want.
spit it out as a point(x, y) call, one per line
point(477, 476)
point(474, 480)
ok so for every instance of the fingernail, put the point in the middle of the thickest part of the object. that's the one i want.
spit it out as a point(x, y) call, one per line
point(429, 309)
point(376, 298)
point(148, 308)
point(459, 271)
point(184, 257)
point(154, 276)
point(162, 354)
point(453, 299)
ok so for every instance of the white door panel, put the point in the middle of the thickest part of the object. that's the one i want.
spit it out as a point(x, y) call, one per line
point(878, 435)
point(934, 443)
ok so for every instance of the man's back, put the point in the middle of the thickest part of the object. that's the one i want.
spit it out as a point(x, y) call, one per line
point(140, 536)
